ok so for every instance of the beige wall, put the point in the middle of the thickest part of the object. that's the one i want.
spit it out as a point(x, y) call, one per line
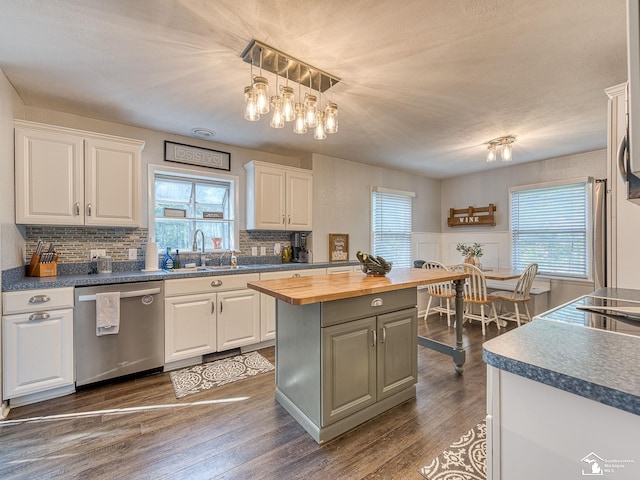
point(341, 201)
point(481, 189)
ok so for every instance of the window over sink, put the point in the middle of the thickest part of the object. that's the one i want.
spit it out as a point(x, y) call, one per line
point(186, 200)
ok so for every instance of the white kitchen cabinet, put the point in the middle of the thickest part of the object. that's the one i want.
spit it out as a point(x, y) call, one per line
point(343, 269)
point(208, 314)
point(623, 215)
point(190, 326)
point(268, 303)
point(278, 197)
point(72, 177)
point(37, 333)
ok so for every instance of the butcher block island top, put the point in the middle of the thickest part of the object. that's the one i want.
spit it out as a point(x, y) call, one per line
point(326, 288)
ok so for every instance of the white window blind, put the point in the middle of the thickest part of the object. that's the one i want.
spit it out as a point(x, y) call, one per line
point(550, 227)
point(391, 226)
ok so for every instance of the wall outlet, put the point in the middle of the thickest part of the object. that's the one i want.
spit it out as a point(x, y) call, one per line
point(97, 252)
point(263, 251)
point(254, 251)
point(277, 249)
point(133, 254)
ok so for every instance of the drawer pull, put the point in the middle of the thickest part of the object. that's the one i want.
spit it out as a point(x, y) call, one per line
point(40, 299)
point(377, 302)
point(39, 316)
point(216, 283)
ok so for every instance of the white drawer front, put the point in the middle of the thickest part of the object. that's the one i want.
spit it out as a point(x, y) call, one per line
point(219, 283)
point(37, 300)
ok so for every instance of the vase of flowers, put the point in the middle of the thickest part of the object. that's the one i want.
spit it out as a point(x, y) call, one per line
point(471, 253)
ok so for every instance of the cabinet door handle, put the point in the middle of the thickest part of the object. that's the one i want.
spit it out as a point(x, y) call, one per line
point(384, 334)
point(39, 299)
point(216, 283)
point(213, 308)
point(289, 219)
point(77, 208)
point(375, 337)
point(39, 316)
point(88, 209)
point(220, 306)
point(283, 219)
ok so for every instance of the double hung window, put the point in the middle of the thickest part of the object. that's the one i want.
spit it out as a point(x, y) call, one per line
point(551, 226)
point(391, 225)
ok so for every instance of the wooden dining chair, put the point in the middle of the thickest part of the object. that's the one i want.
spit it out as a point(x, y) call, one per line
point(475, 293)
point(441, 291)
point(519, 296)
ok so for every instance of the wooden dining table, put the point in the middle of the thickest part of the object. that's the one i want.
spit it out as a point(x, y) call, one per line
point(500, 274)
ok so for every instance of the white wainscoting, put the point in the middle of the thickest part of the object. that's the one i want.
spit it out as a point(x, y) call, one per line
point(442, 247)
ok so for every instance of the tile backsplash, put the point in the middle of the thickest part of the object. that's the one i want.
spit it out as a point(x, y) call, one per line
point(74, 244)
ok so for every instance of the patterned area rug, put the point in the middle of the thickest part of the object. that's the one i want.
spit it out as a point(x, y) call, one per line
point(463, 460)
point(213, 374)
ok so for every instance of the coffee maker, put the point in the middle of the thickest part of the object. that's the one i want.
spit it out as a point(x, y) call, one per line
point(299, 252)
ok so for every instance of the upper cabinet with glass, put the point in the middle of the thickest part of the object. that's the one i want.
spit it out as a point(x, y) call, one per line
point(278, 197)
point(72, 177)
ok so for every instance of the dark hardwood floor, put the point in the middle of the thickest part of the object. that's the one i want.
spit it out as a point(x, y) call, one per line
point(138, 430)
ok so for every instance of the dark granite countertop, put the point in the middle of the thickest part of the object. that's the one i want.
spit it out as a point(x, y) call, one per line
point(15, 281)
point(595, 364)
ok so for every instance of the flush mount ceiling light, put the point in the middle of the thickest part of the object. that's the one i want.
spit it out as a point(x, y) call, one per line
point(504, 144)
point(306, 112)
point(203, 132)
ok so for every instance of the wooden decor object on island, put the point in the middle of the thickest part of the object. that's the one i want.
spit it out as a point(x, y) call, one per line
point(472, 216)
point(39, 269)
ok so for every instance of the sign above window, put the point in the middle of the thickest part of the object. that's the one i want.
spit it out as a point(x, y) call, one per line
point(203, 157)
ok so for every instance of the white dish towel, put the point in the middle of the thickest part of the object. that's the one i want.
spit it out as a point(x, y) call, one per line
point(107, 313)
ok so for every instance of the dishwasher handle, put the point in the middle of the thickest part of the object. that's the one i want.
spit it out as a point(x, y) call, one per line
point(134, 293)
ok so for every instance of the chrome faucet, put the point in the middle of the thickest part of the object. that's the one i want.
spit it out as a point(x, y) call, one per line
point(203, 259)
point(223, 254)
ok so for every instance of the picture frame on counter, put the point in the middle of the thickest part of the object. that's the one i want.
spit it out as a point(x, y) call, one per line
point(338, 247)
point(191, 155)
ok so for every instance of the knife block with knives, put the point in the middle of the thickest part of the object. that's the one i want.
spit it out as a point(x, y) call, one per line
point(43, 263)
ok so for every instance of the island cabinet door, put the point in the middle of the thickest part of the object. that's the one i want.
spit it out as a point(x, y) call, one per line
point(348, 368)
point(397, 352)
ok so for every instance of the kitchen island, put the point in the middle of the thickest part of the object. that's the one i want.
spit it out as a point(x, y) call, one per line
point(346, 345)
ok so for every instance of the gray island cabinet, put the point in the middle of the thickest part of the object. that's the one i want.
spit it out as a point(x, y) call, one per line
point(346, 346)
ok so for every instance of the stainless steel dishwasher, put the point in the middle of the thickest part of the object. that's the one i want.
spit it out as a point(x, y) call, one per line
point(139, 344)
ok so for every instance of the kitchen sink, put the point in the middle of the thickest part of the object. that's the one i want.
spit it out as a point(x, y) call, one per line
point(222, 268)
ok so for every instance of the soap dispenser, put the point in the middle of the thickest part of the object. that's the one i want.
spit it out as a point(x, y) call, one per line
point(167, 264)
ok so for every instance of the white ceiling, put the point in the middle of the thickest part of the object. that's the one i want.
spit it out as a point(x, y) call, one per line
point(424, 82)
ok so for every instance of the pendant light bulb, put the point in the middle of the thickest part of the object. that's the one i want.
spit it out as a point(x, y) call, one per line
point(277, 120)
point(299, 125)
point(319, 133)
point(506, 151)
point(250, 107)
point(491, 155)
point(288, 104)
point(331, 118)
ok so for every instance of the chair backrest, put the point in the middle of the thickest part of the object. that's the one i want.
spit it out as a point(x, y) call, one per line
point(523, 287)
point(475, 287)
point(438, 289)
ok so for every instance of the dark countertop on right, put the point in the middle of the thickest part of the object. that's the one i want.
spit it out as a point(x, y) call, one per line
point(595, 364)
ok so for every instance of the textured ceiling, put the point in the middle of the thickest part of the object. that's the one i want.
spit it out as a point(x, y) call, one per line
point(424, 82)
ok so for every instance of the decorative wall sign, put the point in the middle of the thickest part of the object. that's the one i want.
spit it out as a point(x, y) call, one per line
point(471, 216)
point(338, 247)
point(203, 157)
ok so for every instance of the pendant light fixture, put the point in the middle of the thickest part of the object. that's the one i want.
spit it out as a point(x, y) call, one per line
point(306, 113)
point(504, 144)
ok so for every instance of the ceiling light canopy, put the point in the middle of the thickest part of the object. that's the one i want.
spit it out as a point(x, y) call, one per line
point(307, 112)
point(504, 145)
